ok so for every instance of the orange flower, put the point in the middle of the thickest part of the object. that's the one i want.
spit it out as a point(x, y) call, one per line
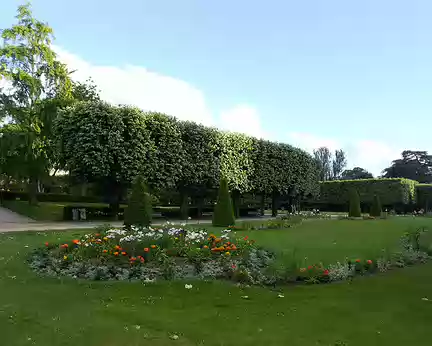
point(76, 241)
point(369, 261)
point(97, 234)
point(153, 246)
point(205, 247)
point(357, 260)
point(105, 251)
point(133, 259)
point(116, 253)
point(123, 253)
point(217, 240)
point(117, 247)
point(146, 249)
point(64, 246)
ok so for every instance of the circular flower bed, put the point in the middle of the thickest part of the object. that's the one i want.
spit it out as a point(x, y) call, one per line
point(149, 254)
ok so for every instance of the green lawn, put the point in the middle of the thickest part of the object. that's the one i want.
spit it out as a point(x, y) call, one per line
point(385, 309)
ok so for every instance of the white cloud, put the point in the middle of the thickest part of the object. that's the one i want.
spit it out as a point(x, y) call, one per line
point(135, 85)
point(369, 154)
point(242, 118)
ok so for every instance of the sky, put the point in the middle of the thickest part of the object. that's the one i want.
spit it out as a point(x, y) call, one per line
point(354, 75)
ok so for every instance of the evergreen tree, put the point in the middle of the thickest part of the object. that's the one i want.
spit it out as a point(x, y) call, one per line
point(139, 211)
point(376, 207)
point(223, 215)
point(354, 205)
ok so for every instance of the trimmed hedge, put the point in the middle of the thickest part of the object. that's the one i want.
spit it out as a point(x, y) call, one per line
point(424, 196)
point(392, 192)
point(50, 197)
point(354, 204)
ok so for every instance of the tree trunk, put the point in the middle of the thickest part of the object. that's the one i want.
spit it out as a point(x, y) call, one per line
point(275, 204)
point(184, 205)
point(32, 191)
point(262, 204)
point(236, 203)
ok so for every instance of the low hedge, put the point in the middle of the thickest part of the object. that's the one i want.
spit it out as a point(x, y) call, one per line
point(392, 192)
point(49, 197)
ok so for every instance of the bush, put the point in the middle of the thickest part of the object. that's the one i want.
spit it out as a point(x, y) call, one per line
point(139, 211)
point(424, 196)
point(354, 206)
point(223, 215)
point(376, 207)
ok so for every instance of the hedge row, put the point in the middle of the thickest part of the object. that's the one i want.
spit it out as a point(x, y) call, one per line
point(398, 191)
point(49, 197)
point(110, 145)
point(424, 196)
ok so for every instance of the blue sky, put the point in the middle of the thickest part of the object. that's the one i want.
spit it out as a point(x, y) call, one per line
point(350, 74)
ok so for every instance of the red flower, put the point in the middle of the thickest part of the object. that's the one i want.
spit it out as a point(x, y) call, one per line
point(133, 259)
point(233, 266)
point(76, 241)
point(326, 272)
point(357, 260)
point(105, 251)
point(46, 244)
point(369, 261)
point(97, 235)
point(64, 246)
point(142, 259)
point(310, 267)
point(146, 249)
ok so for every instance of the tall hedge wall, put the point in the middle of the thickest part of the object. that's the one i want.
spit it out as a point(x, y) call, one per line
point(391, 191)
point(98, 141)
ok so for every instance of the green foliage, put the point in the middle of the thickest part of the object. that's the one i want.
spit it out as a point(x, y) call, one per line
point(236, 160)
point(391, 191)
point(139, 211)
point(167, 160)
point(102, 143)
point(356, 173)
point(223, 215)
point(424, 196)
point(415, 165)
point(37, 80)
point(376, 207)
point(354, 204)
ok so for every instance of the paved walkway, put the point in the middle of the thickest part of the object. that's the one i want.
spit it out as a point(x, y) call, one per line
point(13, 222)
point(9, 217)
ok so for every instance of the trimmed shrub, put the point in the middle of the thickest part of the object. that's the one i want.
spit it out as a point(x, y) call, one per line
point(376, 207)
point(223, 215)
point(139, 211)
point(392, 192)
point(354, 205)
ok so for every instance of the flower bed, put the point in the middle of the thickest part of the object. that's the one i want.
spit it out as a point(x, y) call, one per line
point(149, 254)
point(176, 253)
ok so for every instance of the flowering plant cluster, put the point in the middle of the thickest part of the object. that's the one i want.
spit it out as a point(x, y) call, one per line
point(145, 253)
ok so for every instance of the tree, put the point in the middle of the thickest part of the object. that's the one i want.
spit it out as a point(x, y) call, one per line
point(338, 164)
point(354, 204)
point(106, 145)
point(415, 165)
point(35, 77)
point(223, 215)
point(356, 173)
point(376, 208)
point(139, 211)
point(323, 158)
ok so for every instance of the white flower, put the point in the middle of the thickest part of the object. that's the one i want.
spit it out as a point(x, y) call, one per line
point(281, 296)
point(187, 286)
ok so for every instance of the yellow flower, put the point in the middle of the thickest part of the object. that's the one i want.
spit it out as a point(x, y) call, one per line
point(65, 258)
point(227, 253)
point(105, 238)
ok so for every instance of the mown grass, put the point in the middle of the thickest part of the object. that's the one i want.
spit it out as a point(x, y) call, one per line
point(386, 309)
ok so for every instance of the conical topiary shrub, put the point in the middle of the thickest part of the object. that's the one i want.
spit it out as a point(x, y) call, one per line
point(139, 211)
point(223, 214)
point(376, 207)
point(354, 204)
